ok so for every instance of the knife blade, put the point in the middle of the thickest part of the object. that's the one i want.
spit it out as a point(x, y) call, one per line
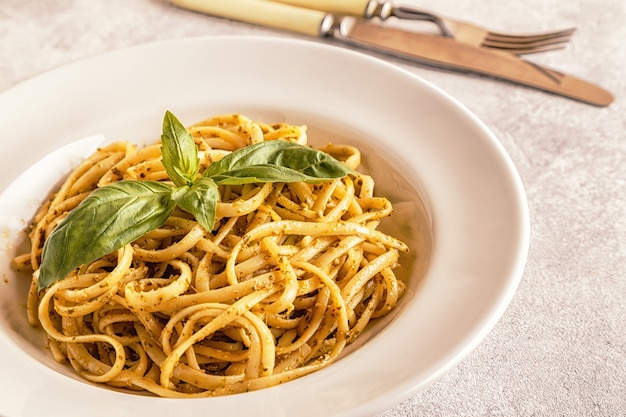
point(431, 50)
point(448, 54)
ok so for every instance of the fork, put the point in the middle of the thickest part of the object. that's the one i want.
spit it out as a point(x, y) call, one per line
point(459, 30)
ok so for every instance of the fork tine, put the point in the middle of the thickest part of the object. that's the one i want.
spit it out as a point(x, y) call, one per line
point(487, 41)
point(557, 36)
point(528, 44)
point(521, 50)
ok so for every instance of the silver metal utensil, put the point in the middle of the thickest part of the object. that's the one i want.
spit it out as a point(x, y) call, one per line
point(459, 30)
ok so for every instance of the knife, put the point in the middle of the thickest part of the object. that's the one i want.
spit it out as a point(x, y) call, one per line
point(431, 50)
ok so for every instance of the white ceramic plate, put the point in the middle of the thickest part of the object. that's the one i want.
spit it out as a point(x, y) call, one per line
point(416, 140)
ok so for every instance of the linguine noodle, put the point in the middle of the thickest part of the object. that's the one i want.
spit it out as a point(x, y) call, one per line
point(291, 274)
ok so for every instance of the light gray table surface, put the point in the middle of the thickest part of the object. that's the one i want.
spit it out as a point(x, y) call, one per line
point(560, 348)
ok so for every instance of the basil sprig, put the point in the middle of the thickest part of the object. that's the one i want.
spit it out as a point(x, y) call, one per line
point(117, 214)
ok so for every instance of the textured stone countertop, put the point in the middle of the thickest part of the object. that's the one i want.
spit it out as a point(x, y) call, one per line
point(560, 347)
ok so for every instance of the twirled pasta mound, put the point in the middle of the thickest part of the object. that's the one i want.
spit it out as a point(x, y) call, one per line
point(289, 276)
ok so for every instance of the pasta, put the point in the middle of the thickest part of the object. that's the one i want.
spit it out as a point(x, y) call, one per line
point(290, 275)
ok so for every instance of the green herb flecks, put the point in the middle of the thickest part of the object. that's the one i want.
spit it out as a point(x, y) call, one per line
point(120, 213)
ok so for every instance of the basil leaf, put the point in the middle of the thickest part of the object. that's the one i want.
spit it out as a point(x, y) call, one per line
point(262, 173)
point(200, 200)
point(108, 219)
point(180, 153)
point(275, 161)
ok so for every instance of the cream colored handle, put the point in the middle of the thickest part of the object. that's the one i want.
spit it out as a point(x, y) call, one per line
point(260, 12)
point(347, 7)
